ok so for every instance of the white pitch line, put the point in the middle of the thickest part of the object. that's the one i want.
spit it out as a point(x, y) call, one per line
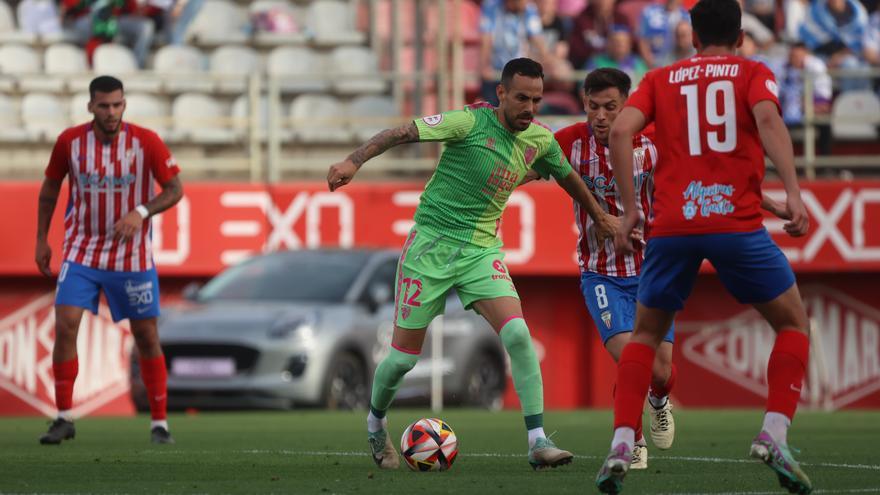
point(714, 460)
point(776, 492)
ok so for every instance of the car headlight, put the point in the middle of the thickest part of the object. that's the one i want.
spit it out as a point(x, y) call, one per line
point(301, 327)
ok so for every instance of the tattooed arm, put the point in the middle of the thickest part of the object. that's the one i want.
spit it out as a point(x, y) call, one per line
point(341, 173)
point(48, 199)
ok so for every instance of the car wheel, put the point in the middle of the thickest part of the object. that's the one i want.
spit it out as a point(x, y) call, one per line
point(484, 382)
point(346, 384)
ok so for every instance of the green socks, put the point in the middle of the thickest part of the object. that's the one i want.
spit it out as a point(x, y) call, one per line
point(388, 377)
point(525, 368)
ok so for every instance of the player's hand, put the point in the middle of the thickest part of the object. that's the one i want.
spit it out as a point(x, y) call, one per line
point(42, 257)
point(623, 242)
point(128, 226)
point(607, 227)
point(531, 175)
point(777, 208)
point(340, 174)
point(637, 235)
point(797, 212)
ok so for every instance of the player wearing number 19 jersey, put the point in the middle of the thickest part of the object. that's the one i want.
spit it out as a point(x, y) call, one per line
point(455, 242)
point(610, 282)
point(712, 113)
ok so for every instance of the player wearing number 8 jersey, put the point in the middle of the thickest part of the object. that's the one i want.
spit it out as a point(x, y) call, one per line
point(712, 113)
point(455, 243)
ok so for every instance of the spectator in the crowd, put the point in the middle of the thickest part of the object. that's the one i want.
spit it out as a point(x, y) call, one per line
point(684, 45)
point(657, 30)
point(509, 29)
point(591, 29)
point(795, 15)
point(76, 22)
point(790, 79)
point(39, 17)
point(122, 21)
point(838, 30)
point(555, 30)
point(571, 8)
point(761, 34)
point(619, 55)
point(763, 10)
point(173, 17)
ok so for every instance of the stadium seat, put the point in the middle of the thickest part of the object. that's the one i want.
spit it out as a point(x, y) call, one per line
point(118, 61)
point(61, 61)
point(851, 105)
point(370, 115)
point(354, 70)
point(219, 22)
point(78, 107)
point(19, 59)
point(319, 119)
point(44, 116)
point(199, 118)
point(241, 119)
point(8, 31)
point(147, 111)
point(276, 22)
point(231, 65)
point(181, 69)
point(332, 23)
point(10, 123)
point(299, 69)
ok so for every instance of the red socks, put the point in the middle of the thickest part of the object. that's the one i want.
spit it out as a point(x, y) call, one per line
point(785, 371)
point(664, 389)
point(65, 375)
point(633, 380)
point(155, 378)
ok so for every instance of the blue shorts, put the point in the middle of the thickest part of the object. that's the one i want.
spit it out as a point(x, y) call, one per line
point(750, 265)
point(612, 304)
point(132, 295)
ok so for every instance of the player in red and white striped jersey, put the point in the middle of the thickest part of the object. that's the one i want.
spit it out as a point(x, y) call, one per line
point(111, 166)
point(610, 281)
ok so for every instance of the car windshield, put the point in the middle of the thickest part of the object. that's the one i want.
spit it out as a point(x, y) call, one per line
point(287, 276)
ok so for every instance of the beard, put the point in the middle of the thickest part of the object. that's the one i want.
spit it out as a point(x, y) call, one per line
point(108, 129)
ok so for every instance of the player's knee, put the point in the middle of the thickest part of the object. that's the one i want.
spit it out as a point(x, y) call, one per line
point(515, 335)
point(400, 362)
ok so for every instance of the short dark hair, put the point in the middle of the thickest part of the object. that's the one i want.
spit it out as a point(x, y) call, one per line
point(607, 77)
point(104, 84)
point(522, 66)
point(717, 22)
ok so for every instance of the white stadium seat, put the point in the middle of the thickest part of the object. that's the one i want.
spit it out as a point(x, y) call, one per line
point(8, 31)
point(19, 59)
point(200, 118)
point(332, 23)
point(299, 69)
point(277, 11)
point(10, 123)
point(852, 105)
point(241, 119)
point(370, 115)
point(319, 118)
point(79, 108)
point(353, 70)
point(65, 59)
point(181, 69)
point(147, 111)
point(44, 115)
point(117, 60)
point(219, 22)
point(231, 65)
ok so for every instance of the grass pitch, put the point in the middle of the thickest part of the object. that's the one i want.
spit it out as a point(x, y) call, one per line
point(323, 453)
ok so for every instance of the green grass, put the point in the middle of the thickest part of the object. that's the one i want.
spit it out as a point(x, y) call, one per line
point(322, 452)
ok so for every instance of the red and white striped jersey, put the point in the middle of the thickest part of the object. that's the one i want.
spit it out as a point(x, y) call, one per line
point(591, 160)
point(106, 181)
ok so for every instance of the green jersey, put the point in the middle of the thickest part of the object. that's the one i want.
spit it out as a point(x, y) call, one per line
point(481, 165)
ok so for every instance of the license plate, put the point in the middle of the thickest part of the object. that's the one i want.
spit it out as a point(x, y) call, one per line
point(199, 367)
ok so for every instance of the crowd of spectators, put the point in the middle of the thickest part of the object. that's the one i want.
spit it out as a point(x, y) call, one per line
point(792, 37)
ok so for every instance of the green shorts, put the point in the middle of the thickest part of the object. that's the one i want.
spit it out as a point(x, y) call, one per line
point(431, 264)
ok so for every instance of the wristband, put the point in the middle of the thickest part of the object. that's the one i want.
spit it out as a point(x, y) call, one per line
point(142, 211)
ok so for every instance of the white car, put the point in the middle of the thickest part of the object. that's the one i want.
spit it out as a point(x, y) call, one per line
point(307, 328)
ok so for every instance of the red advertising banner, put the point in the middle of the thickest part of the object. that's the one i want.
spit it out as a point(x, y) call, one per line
point(218, 224)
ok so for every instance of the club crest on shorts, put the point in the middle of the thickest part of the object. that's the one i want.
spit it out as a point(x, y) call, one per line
point(405, 311)
point(606, 319)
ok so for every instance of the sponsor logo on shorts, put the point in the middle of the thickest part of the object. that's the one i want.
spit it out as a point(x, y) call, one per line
point(606, 319)
point(139, 293)
point(498, 265)
point(405, 312)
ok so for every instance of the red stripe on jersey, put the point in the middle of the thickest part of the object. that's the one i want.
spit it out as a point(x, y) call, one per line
point(106, 161)
point(603, 255)
point(146, 184)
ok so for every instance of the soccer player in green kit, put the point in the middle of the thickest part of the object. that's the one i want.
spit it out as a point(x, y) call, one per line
point(455, 244)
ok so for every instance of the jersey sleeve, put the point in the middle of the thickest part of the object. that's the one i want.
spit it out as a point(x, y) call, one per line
point(552, 162)
point(59, 162)
point(643, 96)
point(160, 160)
point(447, 126)
point(762, 86)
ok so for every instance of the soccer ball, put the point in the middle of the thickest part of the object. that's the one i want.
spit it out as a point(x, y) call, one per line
point(429, 444)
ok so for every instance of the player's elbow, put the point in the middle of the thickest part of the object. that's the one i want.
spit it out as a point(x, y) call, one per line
point(620, 133)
